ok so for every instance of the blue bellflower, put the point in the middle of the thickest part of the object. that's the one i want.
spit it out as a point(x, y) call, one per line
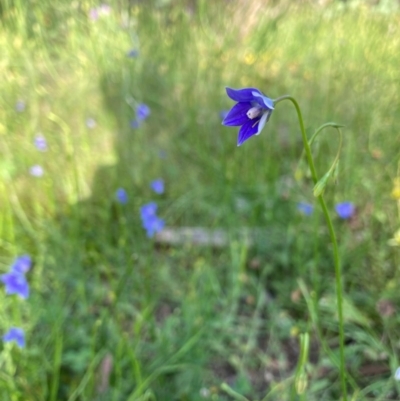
point(15, 283)
point(142, 112)
point(345, 210)
point(22, 264)
point(121, 196)
point(15, 334)
point(251, 112)
point(157, 186)
point(150, 222)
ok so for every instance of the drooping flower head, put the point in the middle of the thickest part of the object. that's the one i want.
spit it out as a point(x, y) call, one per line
point(15, 334)
point(345, 210)
point(157, 186)
point(251, 112)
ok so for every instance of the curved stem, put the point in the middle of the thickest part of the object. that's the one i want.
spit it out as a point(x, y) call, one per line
point(339, 290)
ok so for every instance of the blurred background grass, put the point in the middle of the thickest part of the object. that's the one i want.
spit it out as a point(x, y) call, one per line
point(111, 315)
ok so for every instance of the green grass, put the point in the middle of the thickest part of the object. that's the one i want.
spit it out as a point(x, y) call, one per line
point(114, 316)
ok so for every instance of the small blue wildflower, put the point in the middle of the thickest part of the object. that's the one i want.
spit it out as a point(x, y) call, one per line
point(142, 112)
point(22, 264)
point(121, 196)
point(15, 334)
point(150, 222)
point(153, 225)
point(15, 284)
point(251, 112)
point(149, 209)
point(397, 374)
point(133, 53)
point(345, 210)
point(20, 106)
point(305, 208)
point(91, 123)
point(36, 171)
point(162, 154)
point(40, 143)
point(157, 186)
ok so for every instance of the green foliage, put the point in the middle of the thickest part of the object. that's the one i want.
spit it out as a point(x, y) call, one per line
point(114, 316)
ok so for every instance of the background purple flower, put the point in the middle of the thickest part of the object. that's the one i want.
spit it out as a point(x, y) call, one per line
point(36, 171)
point(305, 208)
point(121, 196)
point(15, 334)
point(251, 112)
point(15, 284)
point(345, 210)
point(40, 143)
point(157, 186)
point(150, 222)
point(142, 112)
point(22, 264)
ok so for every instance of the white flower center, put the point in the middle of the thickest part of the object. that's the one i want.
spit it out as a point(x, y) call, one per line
point(254, 112)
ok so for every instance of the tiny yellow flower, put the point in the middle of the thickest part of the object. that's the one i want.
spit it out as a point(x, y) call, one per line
point(396, 193)
point(395, 241)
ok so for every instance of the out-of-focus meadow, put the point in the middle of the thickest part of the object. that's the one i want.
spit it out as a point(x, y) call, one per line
point(114, 315)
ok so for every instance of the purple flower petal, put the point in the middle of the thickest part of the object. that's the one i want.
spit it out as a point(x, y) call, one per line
point(242, 95)
point(15, 334)
point(247, 130)
point(345, 210)
point(157, 186)
point(237, 114)
point(121, 196)
point(15, 284)
point(263, 121)
point(142, 112)
point(263, 100)
point(148, 209)
point(22, 264)
point(40, 143)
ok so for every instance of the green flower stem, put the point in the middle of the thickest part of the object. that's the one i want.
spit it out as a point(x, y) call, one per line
point(339, 290)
